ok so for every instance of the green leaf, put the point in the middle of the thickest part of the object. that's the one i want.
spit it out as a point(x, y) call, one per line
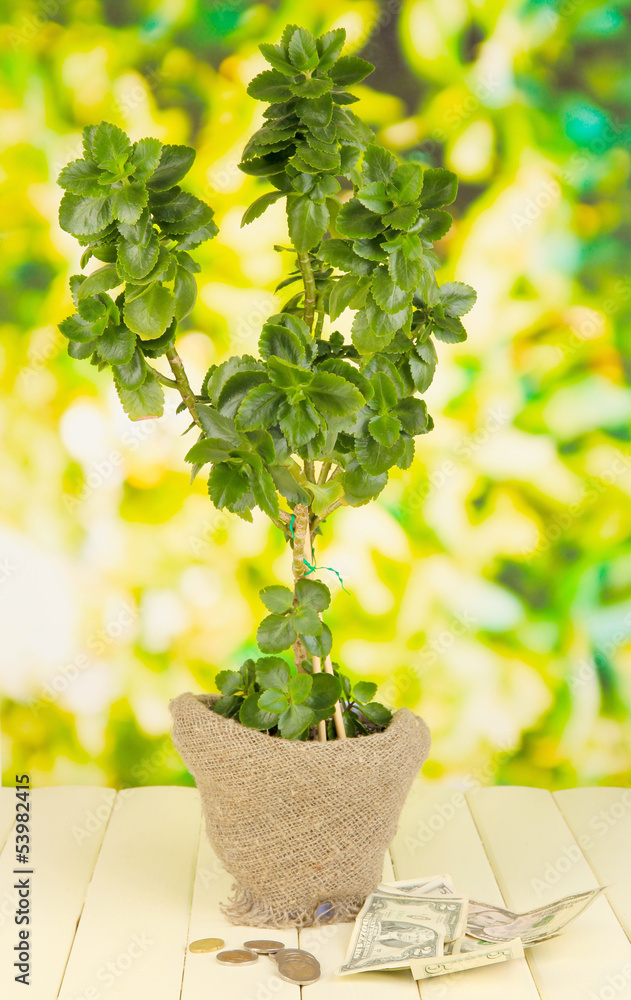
point(404, 271)
point(378, 165)
point(360, 487)
point(385, 429)
point(329, 47)
point(373, 196)
point(318, 645)
point(313, 594)
point(253, 717)
point(299, 688)
point(350, 69)
point(294, 721)
point(404, 217)
point(356, 221)
point(146, 157)
point(326, 689)
point(386, 293)
point(276, 57)
point(79, 330)
point(217, 425)
point(272, 672)
point(338, 253)
point(229, 681)
point(412, 414)
point(406, 183)
point(175, 163)
point(278, 341)
point(116, 345)
point(349, 290)
point(129, 201)
point(373, 457)
point(259, 409)
point(132, 374)
point(333, 395)
point(316, 111)
point(377, 713)
point(364, 691)
point(449, 329)
point(257, 207)
point(208, 450)
point(110, 147)
point(81, 177)
point(264, 491)
point(81, 351)
point(423, 365)
point(185, 291)
point(457, 298)
point(433, 225)
point(302, 50)
point(136, 261)
point(439, 188)
point(99, 281)
point(273, 700)
point(385, 394)
point(306, 620)
point(325, 495)
point(226, 485)
point(276, 633)
point(85, 216)
point(228, 706)
point(287, 485)
point(299, 422)
point(276, 598)
point(150, 312)
point(270, 85)
point(307, 220)
point(145, 401)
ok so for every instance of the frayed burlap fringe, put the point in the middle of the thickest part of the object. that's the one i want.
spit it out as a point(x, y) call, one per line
point(302, 827)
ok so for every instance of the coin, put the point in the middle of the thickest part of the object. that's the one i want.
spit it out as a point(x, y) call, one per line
point(264, 947)
point(237, 957)
point(293, 953)
point(205, 945)
point(300, 971)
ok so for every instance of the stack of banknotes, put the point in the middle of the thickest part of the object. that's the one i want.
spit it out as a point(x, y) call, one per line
point(425, 925)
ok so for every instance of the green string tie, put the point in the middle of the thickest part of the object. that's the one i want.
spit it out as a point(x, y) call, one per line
point(311, 569)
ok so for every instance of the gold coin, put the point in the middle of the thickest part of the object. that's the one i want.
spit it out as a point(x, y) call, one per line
point(264, 947)
point(205, 945)
point(300, 971)
point(237, 957)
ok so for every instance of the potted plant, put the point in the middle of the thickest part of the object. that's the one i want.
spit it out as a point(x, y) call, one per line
point(302, 775)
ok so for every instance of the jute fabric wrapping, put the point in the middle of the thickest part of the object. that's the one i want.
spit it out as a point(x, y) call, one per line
point(298, 824)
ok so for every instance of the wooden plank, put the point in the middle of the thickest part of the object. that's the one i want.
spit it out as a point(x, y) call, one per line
point(437, 835)
point(131, 940)
point(251, 982)
point(600, 819)
point(67, 827)
point(536, 860)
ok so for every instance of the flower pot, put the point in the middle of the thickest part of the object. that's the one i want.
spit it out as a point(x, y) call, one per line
point(301, 826)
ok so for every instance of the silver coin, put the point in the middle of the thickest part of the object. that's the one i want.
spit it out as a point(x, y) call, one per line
point(264, 947)
point(239, 956)
point(300, 971)
point(293, 953)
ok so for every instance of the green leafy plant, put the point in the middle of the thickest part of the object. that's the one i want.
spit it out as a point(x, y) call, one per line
point(314, 422)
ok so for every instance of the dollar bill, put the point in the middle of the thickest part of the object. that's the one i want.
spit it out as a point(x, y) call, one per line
point(474, 958)
point(393, 929)
point(492, 923)
point(436, 885)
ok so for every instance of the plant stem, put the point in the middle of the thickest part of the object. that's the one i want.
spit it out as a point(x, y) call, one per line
point(319, 324)
point(338, 503)
point(317, 669)
point(304, 263)
point(337, 716)
point(324, 471)
point(163, 379)
point(310, 471)
point(183, 384)
point(301, 527)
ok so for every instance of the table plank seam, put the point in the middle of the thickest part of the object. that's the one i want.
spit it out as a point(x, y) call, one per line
point(85, 896)
point(190, 907)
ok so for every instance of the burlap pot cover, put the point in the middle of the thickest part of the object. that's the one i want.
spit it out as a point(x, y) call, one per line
point(298, 824)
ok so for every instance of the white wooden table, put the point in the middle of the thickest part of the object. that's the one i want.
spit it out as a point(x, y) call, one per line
point(122, 881)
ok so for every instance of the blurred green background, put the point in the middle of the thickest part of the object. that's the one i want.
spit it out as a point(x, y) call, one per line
point(490, 585)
